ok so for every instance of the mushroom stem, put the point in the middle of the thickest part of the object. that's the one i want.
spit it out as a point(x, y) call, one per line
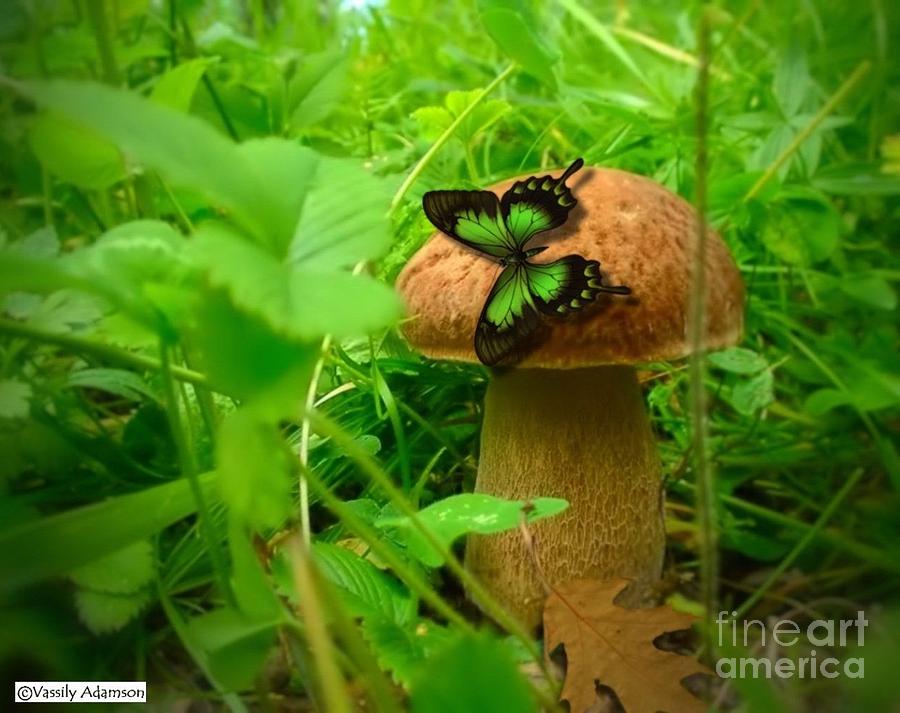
point(582, 435)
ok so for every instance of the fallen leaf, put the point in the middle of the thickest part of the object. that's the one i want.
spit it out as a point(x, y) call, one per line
point(612, 645)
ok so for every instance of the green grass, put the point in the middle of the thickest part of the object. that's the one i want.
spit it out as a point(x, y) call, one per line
point(202, 371)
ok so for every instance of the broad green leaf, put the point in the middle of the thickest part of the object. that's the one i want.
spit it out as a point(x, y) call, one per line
point(66, 310)
point(253, 591)
point(74, 153)
point(125, 571)
point(802, 229)
point(432, 120)
point(403, 649)
point(738, 360)
point(820, 402)
point(344, 220)
point(511, 25)
point(235, 646)
point(452, 517)
point(122, 383)
point(869, 290)
point(751, 395)
point(185, 150)
point(253, 470)
point(15, 399)
point(59, 543)
point(106, 612)
point(473, 673)
point(175, 88)
point(365, 590)
point(245, 359)
point(295, 302)
point(486, 113)
point(317, 89)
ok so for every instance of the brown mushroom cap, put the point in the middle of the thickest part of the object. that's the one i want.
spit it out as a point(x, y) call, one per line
point(642, 235)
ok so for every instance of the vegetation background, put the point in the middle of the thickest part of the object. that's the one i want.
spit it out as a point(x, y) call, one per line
point(204, 206)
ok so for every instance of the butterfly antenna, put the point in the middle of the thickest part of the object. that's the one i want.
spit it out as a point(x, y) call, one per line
point(576, 164)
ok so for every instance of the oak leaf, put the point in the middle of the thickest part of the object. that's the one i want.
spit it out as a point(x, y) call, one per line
point(612, 645)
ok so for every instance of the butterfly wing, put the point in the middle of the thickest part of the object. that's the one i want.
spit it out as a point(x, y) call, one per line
point(567, 285)
point(471, 217)
point(508, 318)
point(537, 204)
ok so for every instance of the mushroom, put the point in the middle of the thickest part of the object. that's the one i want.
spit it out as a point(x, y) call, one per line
point(568, 420)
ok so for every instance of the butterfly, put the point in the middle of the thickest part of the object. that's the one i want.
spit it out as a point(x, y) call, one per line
point(500, 230)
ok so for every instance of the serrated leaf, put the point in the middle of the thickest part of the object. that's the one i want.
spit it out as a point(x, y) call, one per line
point(751, 395)
point(471, 673)
point(738, 360)
point(453, 517)
point(15, 399)
point(365, 590)
point(403, 650)
point(295, 302)
point(335, 231)
point(103, 612)
point(125, 571)
point(66, 310)
point(432, 120)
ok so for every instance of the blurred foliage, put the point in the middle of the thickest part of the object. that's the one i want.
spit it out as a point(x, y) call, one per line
point(196, 233)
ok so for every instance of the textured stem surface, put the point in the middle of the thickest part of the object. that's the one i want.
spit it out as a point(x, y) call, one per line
point(582, 435)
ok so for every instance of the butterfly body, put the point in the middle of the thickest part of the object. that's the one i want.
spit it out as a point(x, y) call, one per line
point(499, 229)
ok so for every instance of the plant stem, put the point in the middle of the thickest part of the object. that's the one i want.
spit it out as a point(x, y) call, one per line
point(97, 14)
point(82, 345)
point(189, 470)
point(320, 642)
point(703, 473)
point(858, 73)
point(444, 137)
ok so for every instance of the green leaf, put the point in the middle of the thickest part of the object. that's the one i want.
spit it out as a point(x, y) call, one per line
point(822, 401)
point(175, 88)
point(104, 612)
point(738, 360)
point(452, 517)
point(751, 395)
point(473, 673)
point(60, 543)
point(15, 399)
point(235, 645)
point(403, 650)
point(317, 89)
point(792, 81)
point(432, 120)
point(365, 590)
point(123, 572)
point(511, 25)
point(869, 290)
point(122, 383)
point(295, 302)
point(344, 218)
point(253, 470)
point(185, 150)
point(480, 118)
point(857, 179)
point(74, 153)
point(802, 229)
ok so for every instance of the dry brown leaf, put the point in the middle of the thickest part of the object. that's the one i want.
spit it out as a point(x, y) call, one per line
point(612, 645)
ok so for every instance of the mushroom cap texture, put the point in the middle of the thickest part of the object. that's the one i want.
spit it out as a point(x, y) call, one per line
point(642, 235)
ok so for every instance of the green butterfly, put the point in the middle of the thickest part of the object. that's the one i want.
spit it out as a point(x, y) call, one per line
point(499, 229)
